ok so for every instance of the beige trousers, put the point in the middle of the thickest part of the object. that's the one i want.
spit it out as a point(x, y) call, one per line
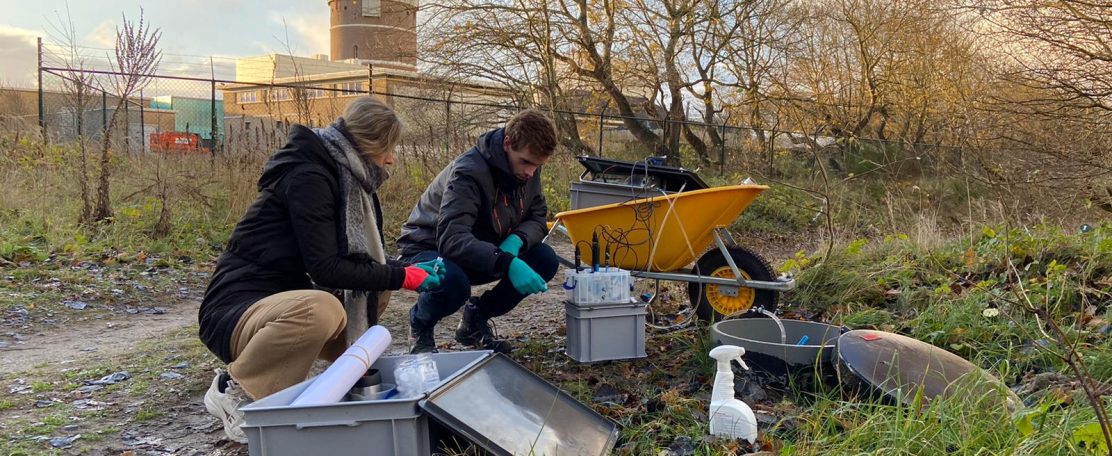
point(279, 337)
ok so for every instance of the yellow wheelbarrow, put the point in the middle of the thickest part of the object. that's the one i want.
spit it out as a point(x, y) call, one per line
point(660, 236)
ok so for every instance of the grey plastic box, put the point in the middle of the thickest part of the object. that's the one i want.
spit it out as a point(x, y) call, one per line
point(605, 332)
point(394, 427)
point(590, 194)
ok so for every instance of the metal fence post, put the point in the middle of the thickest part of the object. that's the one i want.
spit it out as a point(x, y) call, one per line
point(448, 126)
point(103, 112)
point(769, 143)
point(212, 113)
point(722, 150)
point(127, 127)
point(42, 111)
point(142, 125)
point(601, 117)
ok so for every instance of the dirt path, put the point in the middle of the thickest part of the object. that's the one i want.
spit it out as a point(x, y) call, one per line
point(114, 334)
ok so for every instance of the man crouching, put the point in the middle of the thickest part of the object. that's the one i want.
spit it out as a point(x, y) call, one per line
point(484, 215)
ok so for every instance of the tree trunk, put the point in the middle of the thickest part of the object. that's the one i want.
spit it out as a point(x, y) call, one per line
point(639, 130)
point(569, 134)
point(716, 140)
point(83, 177)
point(163, 226)
point(697, 144)
point(103, 209)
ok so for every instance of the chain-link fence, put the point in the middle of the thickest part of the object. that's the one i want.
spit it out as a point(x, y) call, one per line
point(238, 110)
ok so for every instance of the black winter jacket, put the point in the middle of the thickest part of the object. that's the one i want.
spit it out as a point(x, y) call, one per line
point(289, 239)
point(472, 205)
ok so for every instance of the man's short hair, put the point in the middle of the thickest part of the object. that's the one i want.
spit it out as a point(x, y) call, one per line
point(533, 130)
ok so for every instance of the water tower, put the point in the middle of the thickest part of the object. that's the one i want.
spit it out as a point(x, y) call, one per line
point(382, 33)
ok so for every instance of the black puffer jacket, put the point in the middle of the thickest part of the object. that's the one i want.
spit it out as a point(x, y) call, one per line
point(472, 205)
point(288, 240)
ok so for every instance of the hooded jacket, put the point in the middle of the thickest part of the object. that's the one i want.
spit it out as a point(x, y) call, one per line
point(289, 239)
point(472, 205)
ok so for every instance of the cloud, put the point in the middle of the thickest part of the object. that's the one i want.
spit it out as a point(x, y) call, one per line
point(308, 33)
point(18, 57)
point(103, 36)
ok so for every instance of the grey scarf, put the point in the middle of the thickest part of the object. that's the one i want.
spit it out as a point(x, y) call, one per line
point(360, 236)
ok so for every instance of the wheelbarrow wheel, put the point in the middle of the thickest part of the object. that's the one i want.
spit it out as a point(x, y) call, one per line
point(716, 302)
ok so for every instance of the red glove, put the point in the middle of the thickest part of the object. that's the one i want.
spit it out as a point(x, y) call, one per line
point(414, 278)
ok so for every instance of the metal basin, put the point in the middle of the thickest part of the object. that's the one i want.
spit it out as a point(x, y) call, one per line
point(761, 339)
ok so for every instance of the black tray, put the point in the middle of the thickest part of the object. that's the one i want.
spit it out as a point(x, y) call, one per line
point(668, 178)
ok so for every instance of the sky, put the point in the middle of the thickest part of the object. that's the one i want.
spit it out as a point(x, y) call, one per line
point(191, 30)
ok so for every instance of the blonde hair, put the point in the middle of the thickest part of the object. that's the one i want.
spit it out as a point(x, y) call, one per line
point(373, 125)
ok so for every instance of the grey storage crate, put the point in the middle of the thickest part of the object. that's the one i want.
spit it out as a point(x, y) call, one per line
point(605, 332)
point(394, 427)
point(590, 194)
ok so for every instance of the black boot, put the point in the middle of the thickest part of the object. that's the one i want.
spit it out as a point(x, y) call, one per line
point(423, 341)
point(474, 331)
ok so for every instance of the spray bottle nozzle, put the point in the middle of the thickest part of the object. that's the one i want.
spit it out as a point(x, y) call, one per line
point(725, 353)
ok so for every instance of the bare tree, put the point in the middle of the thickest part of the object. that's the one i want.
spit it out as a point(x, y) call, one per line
point(136, 59)
point(1058, 67)
point(298, 92)
point(754, 41)
point(560, 43)
point(78, 89)
point(709, 38)
point(591, 47)
point(894, 80)
point(1063, 45)
point(737, 50)
point(511, 43)
point(661, 32)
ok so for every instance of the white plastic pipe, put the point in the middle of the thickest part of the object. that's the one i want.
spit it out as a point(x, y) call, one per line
point(331, 385)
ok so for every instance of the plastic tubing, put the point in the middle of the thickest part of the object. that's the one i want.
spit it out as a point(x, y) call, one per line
point(331, 385)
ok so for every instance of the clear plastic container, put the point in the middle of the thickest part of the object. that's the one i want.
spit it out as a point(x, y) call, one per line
point(603, 287)
point(416, 375)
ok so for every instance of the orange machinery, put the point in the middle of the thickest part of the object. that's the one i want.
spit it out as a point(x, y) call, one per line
point(177, 142)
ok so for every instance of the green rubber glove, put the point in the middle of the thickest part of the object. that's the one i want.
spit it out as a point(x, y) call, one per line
point(433, 267)
point(524, 279)
point(430, 283)
point(419, 280)
point(512, 244)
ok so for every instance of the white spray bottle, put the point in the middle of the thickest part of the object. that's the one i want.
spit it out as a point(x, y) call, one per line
point(729, 416)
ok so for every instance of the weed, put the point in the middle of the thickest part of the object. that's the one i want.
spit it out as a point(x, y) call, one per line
point(47, 425)
point(138, 387)
point(147, 413)
point(780, 209)
point(93, 437)
point(869, 317)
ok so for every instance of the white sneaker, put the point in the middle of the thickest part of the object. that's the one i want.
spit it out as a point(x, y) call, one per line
point(226, 406)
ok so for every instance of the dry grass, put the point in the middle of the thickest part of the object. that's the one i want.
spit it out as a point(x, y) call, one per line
point(206, 196)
